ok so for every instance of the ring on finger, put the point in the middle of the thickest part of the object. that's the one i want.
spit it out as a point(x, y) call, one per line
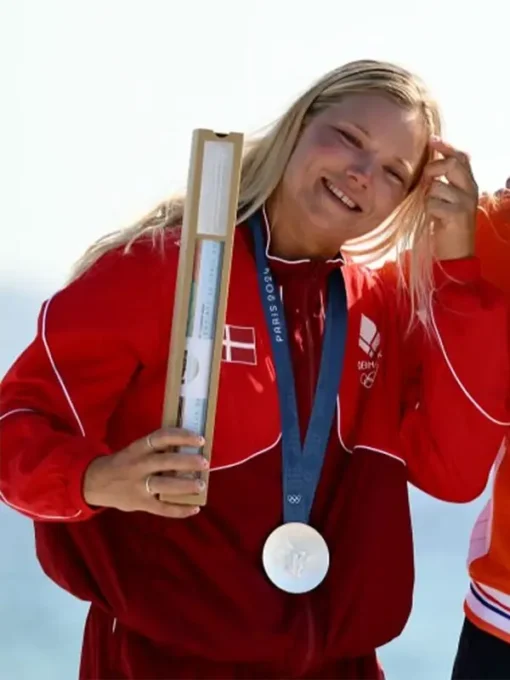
point(149, 442)
point(148, 487)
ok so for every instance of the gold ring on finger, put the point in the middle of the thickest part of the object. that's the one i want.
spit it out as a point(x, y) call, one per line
point(148, 487)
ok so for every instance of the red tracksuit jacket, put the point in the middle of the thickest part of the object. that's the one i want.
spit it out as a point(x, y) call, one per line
point(189, 599)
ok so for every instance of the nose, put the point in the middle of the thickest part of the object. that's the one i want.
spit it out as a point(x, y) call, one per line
point(361, 171)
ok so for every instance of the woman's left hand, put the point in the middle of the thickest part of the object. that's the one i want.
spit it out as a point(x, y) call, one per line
point(452, 203)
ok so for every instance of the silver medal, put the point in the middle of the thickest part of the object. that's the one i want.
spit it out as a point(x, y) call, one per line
point(295, 557)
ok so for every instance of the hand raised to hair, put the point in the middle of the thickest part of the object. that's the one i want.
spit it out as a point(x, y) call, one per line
point(452, 202)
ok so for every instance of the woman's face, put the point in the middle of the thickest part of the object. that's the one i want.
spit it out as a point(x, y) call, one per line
point(353, 165)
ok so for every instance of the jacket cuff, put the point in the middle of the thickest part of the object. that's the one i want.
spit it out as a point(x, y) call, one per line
point(76, 479)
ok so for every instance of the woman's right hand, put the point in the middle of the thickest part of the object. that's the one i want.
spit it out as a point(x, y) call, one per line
point(133, 478)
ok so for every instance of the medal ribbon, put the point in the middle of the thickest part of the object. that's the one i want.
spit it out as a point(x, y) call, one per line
point(302, 465)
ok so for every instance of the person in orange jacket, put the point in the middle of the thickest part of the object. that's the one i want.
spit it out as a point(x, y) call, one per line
point(484, 646)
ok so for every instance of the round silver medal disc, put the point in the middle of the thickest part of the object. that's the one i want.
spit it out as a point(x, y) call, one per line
point(295, 557)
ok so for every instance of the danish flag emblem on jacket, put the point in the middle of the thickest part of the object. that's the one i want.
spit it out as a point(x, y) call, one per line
point(239, 345)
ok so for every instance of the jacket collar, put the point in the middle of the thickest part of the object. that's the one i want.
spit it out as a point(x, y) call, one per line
point(284, 268)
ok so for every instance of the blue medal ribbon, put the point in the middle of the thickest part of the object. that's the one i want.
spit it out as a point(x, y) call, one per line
point(302, 465)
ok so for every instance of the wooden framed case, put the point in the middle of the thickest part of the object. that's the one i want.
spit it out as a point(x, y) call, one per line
point(203, 277)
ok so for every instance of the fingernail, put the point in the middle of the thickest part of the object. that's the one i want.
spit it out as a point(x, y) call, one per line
point(205, 463)
point(196, 511)
point(201, 441)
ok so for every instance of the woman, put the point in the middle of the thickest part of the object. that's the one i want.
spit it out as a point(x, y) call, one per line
point(484, 646)
point(356, 156)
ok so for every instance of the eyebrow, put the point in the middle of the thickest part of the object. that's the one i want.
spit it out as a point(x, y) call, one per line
point(399, 160)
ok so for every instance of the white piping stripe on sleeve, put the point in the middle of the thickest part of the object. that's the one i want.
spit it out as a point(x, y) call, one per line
point(55, 370)
point(34, 515)
point(339, 426)
point(245, 460)
point(26, 511)
point(16, 410)
point(381, 451)
point(454, 374)
point(258, 453)
point(19, 508)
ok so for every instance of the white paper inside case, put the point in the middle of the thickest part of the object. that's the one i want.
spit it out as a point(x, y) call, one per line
point(214, 201)
point(195, 384)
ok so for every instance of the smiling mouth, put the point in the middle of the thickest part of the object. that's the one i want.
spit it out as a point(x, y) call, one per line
point(343, 198)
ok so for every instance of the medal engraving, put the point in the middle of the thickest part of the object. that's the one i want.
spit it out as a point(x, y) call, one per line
point(296, 557)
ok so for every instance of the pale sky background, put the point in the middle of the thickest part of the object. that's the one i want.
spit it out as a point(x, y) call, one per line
point(102, 96)
point(99, 99)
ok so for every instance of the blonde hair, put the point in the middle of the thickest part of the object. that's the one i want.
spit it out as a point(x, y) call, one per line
point(266, 156)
